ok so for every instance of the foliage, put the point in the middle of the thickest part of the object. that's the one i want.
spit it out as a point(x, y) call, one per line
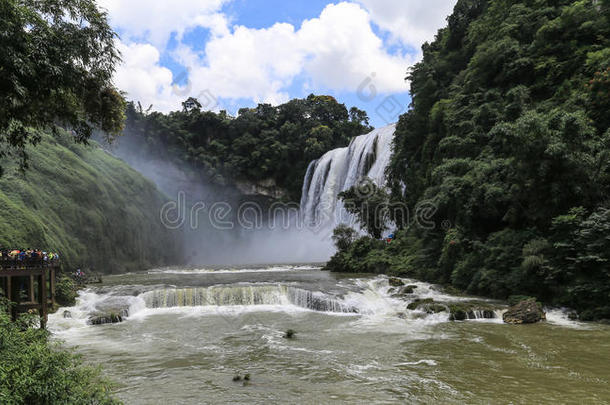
point(57, 59)
point(344, 236)
point(370, 204)
point(260, 143)
point(35, 371)
point(364, 255)
point(65, 291)
point(506, 134)
point(85, 204)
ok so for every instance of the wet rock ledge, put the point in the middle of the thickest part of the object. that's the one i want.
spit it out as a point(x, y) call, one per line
point(526, 311)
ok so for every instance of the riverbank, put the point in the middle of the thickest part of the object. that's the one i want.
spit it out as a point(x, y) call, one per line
point(406, 256)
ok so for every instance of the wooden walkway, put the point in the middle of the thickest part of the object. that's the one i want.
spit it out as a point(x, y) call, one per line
point(30, 284)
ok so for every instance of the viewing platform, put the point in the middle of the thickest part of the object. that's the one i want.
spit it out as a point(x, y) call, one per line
point(30, 284)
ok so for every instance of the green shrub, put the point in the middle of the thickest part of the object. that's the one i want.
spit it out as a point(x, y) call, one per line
point(65, 292)
point(34, 371)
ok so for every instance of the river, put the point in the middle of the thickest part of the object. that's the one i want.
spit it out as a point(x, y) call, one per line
point(190, 331)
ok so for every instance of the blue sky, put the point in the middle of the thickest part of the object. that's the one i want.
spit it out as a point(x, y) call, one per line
point(237, 53)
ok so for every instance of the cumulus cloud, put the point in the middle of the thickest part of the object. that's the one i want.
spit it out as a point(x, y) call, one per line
point(143, 79)
point(336, 51)
point(156, 20)
point(342, 51)
point(411, 22)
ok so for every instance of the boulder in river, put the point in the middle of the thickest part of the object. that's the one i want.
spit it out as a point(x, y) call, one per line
point(399, 292)
point(395, 282)
point(410, 289)
point(427, 305)
point(526, 311)
point(106, 318)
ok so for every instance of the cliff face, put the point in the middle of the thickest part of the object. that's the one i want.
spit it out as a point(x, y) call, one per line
point(89, 206)
point(263, 188)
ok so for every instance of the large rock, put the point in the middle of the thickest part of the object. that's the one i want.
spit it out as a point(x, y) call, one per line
point(459, 311)
point(427, 305)
point(395, 282)
point(103, 318)
point(527, 311)
point(399, 292)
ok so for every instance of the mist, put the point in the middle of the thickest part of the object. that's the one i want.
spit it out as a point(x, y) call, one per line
point(217, 225)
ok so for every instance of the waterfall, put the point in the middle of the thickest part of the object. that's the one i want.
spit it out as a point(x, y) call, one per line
point(340, 169)
point(244, 295)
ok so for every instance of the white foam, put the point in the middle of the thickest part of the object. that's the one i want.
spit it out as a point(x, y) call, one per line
point(274, 269)
point(559, 317)
point(416, 363)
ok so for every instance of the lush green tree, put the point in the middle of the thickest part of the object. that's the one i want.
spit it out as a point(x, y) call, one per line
point(344, 236)
point(370, 204)
point(261, 143)
point(65, 291)
point(57, 59)
point(508, 130)
point(580, 260)
point(35, 371)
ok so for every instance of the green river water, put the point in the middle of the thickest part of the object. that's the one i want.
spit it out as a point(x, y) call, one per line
point(190, 331)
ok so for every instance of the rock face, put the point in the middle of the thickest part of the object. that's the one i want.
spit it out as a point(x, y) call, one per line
point(265, 188)
point(527, 311)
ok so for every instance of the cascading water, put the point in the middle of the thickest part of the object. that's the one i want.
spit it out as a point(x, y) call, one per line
point(367, 156)
point(244, 295)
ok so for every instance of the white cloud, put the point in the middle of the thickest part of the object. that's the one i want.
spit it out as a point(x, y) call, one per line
point(156, 20)
point(143, 79)
point(343, 51)
point(336, 51)
point(412, 22)
point(248, 63)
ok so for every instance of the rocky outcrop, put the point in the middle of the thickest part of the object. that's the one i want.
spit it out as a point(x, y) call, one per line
point(103, 318)
point(400, 292)
point(395, 282)
point(266, 188)
point(470, 310)
point(410, 289)
point(427, 305)
point(526, 311)
point(460, 311)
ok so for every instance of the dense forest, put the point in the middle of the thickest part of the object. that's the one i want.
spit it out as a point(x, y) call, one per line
point(261, 143)
point(508, 138)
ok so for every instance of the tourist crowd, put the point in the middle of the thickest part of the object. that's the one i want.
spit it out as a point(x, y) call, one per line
point(21, 255)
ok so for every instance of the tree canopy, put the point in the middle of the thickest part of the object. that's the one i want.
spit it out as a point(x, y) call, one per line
point(57, 59)
point(261, 143)
point(508, 138)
